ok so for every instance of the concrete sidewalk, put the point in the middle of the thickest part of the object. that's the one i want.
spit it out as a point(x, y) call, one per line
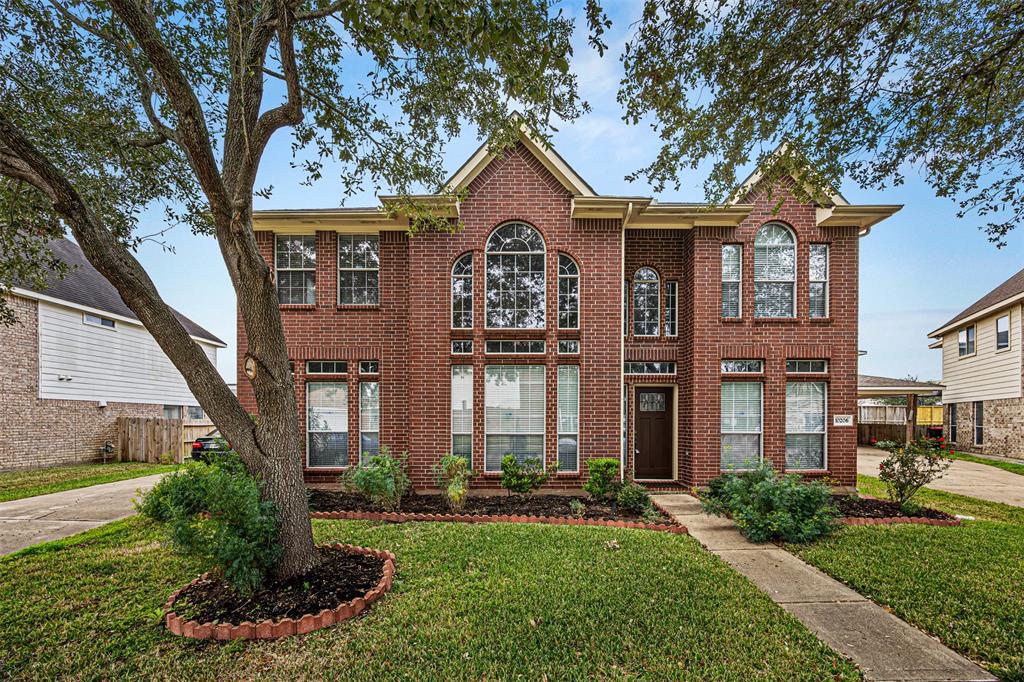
point(32, 520)
point(963, 478)
point(885, 647)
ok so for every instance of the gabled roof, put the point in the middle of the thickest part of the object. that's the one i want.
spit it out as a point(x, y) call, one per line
point(1010, 291)
point(832, 194)
point(85, 287)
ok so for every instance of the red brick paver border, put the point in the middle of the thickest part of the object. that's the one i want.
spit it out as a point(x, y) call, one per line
point(401, 517)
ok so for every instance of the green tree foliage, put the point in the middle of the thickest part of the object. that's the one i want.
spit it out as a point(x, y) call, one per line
point(870, 90)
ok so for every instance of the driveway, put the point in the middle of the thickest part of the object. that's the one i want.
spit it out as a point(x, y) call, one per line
point(963, 478)
point(32, 520)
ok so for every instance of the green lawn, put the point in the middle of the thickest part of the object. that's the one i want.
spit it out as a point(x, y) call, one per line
point(15, 485)
point(1013, 467)
point(481, 601)
point(963, 584)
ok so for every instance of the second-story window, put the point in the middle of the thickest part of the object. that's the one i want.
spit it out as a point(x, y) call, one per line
point(568, 293)
point(1003, 332)
point(732, 279)
point(462, 292)
point(646, 293)
point(515, 278)
point(295, 263)
point(358, 269)
point(671, 308)
point(965, 341)
point(774, 272)
point(818, 304)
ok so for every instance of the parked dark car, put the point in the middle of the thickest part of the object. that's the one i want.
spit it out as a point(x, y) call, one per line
point(210, 448)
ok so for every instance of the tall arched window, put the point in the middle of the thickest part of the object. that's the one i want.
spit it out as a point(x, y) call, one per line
point(646, 290)
point(462, 292)
point(568, 293)
point(774, 272)
point(515, 278)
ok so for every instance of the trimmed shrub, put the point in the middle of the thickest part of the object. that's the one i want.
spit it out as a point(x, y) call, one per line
point(766, 506)
point(577, 509)
point(453, 475)
point(602, 482)
point(382, 480)
point(911, 466)
point(216, 513)
point(523, 478)
point(633, 497)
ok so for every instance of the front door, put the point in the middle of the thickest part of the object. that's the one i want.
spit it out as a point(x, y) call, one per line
point(653, 440)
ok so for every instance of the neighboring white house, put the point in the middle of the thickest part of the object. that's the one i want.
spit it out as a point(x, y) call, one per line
point(982, 370)
point(77, 359)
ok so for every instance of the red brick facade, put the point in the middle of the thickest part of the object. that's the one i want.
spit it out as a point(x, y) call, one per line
point(410, 333)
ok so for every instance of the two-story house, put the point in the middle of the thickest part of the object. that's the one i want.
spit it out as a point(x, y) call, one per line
point(563, 325)
point(981, 372)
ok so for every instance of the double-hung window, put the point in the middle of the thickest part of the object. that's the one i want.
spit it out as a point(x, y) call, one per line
point(774, 272)
point(326, 424)
point(295, 263)
point(462, 412)
point(965, 341)
point(818, 304)
point(1003, 332)
point(805, 425)
point(514, 403)
point(369, 420)
point(358, 269)
point(671, 308)
point(741, 424)
point(732, 280)
point(568, 417)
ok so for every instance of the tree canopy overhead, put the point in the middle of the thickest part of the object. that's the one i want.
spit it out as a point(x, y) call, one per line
point(871, 90)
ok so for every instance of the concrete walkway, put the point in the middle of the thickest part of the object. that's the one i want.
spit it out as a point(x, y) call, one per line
point(963, 478)
point(885, 647)
point(32, 520)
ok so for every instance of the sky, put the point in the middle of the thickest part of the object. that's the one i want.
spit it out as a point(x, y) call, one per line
point(917, 269)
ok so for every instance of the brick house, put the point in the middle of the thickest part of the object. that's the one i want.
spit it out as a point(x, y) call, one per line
point(983, 403)
point(564, 325)
point(75, 360)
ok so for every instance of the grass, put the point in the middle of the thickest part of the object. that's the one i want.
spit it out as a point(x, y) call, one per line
point(15, 485)
point(963, 584)
point(481, 601)
point(1012, 467)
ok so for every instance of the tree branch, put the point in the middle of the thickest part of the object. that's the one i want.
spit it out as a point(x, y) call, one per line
point(321, 13)
point(289, 113)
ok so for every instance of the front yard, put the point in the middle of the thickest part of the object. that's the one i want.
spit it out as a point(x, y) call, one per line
point(963, 584)
point(480, 601)
point(15, 485)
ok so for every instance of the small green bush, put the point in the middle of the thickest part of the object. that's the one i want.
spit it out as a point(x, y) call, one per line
point(216, 513)
point(911, 466)
point(633, 497)
point(383, 480)
point(766, 506)
point(453, 475)
point(523, 478)
point(577, 509)
point(603, 482)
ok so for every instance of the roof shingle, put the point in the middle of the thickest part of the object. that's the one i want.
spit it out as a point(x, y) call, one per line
point(1011, 287)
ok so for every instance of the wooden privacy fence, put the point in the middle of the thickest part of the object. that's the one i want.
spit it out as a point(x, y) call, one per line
point(897, 432)
point(927, 415)
point(149, 439)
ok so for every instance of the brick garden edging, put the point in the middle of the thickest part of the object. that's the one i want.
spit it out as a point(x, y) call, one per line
point(399, 517)
point(855, 521)
point(270, 629)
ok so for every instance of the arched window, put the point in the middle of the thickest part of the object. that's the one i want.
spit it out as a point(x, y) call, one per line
point(462, 292)
point(774, 272)
point(515, 278)
point(646, 290)
point(568, 293)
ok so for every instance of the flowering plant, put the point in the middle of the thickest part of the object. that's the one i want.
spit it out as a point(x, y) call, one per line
point(911, 466)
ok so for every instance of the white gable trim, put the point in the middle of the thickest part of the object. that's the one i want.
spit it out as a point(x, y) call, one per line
point(835, 197)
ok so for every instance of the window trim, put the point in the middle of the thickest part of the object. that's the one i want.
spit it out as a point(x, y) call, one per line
point(757, 372)
point(579, 292)
point(795, 246)
point(451, 292)
point(278, 270)
point(337, 259)
point(626, 368)
point(797, 370)
point(544, 290)
point(826, 281)
point(558, 418)
point(979, 429)
point(568, 352)
point(542, 351)
point(369, 372)
point(760, 433)
point(100, 319)
point(738, 281)
point(462, 352)
point(1009, 335)
point(348, 428)
point(308, 372)
point(824, 428)
point(970, 348)
point(633, 321)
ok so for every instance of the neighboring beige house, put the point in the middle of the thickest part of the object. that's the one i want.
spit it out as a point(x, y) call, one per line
point(981, 372)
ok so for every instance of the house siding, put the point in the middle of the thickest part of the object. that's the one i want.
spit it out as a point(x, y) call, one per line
point(988, 374)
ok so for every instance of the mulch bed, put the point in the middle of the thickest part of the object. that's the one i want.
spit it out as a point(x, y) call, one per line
point(490, 505)
point(340, 577)
point(871, 508)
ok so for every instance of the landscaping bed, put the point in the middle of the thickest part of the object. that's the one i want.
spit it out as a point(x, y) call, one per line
point(552, 506)
point(863, 507)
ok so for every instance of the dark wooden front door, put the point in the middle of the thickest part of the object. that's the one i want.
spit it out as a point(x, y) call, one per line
point(652, 410)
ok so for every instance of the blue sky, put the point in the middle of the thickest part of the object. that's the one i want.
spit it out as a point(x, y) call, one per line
point(917, 269)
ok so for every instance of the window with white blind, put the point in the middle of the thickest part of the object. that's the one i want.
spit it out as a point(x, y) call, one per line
point(295, 263)
point(732, 280)
point(741, 424)
point(462, 412)
point(568, 293)
point(1003, 332)
point(818, 304)
point(358, 269)
point(513, 413)
point(462, 292)
point(326, 424)
point(646, 294)
point(671, 308)
point(805, 425)
point(568, 417)
point(774, 272)
point(369, 420)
